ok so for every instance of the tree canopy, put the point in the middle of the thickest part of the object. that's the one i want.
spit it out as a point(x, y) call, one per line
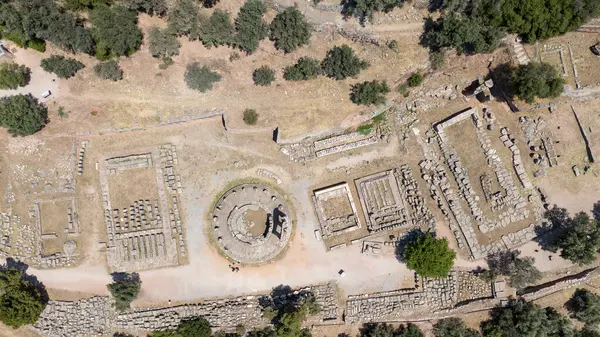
point(13, 75)
point(162, 42)
point(152, 7)
point(20, 301)
point(584, 305)
point(200, 78)
point(388, 330)
point(263, 76)
point(537, 80)
point(341, 62)
point(305, 68)
point(520, 269)
point(428, 256)
point(290, 30)
point(115, 31)
point(367, 93)
point(63, 67)
point(217, 30)
point(364, 9)
point(125, 288)
point(250, 26)
point(453, 327)
point(183, 17)
point(109, 70)
point(195, 327)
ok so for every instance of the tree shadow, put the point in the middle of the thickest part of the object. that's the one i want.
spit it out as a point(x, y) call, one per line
point(573, 304)
point(435, 5)
point(123, 276)
point(22, 267)
point(548, 236)
point(407, 238)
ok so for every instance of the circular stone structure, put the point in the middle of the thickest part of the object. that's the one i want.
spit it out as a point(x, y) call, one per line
point(251, 224)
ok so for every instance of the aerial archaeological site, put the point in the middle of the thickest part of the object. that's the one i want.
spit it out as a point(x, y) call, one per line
point(286, 168)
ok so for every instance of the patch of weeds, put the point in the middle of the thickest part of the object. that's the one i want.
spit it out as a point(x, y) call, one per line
point(365, 129)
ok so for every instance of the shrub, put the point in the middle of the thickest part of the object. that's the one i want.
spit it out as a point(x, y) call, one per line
point(167, 61)
point(415, 80)
point(340, 63)
point(21, 302)
point(124, 288)
point(62, 66)
point(200, 78)
point(217, 30)
point(305, 69)
point(183, 17)
point(162, 43)
point(365, 129)
point(263, 76)
point(78, 5)
point(393, 45)
point(250, 116)
point(537, 80)
point(152, 7)
point(520, 269)
point(195, 327)
point(367, 93)
point(13, 75)
point(250, 26)
point(436, 59)
point(36, 44)
point(526, 319)
point(428, 256)
point(585, 307)
point(388, 330)
point(116, 30)
point(109, 70)
point(453, 327)
point(22, 115)
point(290, 30)
point(364, 9)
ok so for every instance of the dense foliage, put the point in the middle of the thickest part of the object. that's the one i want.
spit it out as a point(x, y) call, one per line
point(537, 80)
point(476, 26)
point(109, 70)
point(63, 67)
point(263, 76)
point(388, 330)
point(29, 24)
point(162, 42)
point(369, 92)
point(250, 26)
point(305, 68)
point(200, 78)
point(364, 9)
point(453, 327)
point(585, 307)
point(20, 301)
point(152, 7)
point(428, 256)
point(578, 237)
point(125, 288)
point(196, 327)
point(183, 17)
point(13, 75)
point(520, 269)
point(217, 30)
point(524, 319)
point(415, 80)
point(250, 116)
point(341, 62)
point(290, 30)
point(115, 31)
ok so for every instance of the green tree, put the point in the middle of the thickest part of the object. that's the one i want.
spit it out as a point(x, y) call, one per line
point(78, 5)
point(578, 237)
point(22, 115)
point(521, 270)
point(453, 327)
point(387, 330)
point(217, 30)
point(115, 31)
point(200, 78)
point(266, 332)
point(584, 305)
point(250, 116)
point(13, 75)
point(415, 80)
point(196, 327)
point(62, 66)
point(21, 302)
point(152, 7)
point(525, 319)
point(341, 62)
point(306, 68)
point(263, 76)
point(428, 256)
point(290, 30)
point(367, 93)
point(125, 288)
point(250, 26)
point(364, 9)
point(183, 17)
point(537, 80)
point(109, 70)
point(162, 43)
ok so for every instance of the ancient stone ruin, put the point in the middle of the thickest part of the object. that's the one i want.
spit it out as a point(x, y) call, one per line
point(336, 210)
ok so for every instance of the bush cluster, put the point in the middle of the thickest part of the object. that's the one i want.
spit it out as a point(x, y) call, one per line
point(263, 76)
point(124, 288)
point(200, 78)
point(109, 70)
point(63, 67)
point(369, 92)
point(22, 115)
point(13, 75)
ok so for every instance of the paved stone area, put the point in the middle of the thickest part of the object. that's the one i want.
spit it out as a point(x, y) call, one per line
point(251, 224)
